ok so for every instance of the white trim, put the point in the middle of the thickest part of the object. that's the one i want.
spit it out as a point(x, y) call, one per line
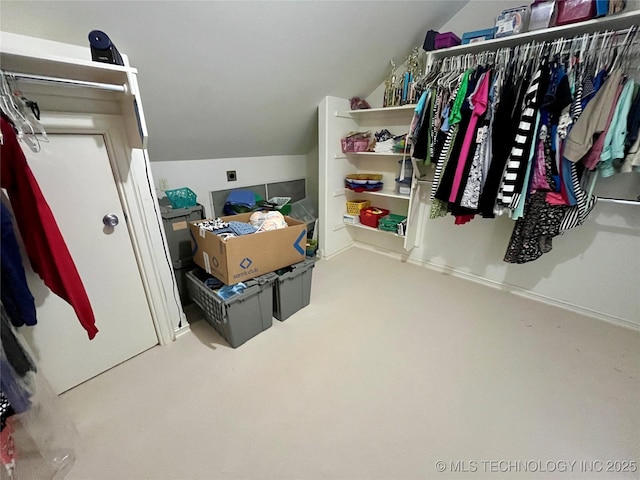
point(329, 257)
point(502, 286)
point(144, 224)
point(184, 329)
point(527, 294)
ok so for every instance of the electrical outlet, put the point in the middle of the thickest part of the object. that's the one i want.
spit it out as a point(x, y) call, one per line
point(231, 176)
point(163, 184)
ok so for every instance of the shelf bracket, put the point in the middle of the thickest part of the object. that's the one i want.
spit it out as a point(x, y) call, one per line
point(338, 227)
point(338, 193)
point(338, 156)
point(338, 114)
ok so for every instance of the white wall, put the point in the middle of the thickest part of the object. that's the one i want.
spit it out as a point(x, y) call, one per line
point(204, 176)
point(594, 269)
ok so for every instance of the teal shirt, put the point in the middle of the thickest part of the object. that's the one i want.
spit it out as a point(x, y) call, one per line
point(616, 134)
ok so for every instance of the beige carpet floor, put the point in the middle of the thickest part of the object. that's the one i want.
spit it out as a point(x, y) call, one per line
point(392, 369)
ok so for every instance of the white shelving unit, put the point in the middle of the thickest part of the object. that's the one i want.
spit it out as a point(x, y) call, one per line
point(336, 119)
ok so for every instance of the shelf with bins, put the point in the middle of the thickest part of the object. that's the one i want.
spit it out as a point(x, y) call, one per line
point(612, 22)
point(386, 163)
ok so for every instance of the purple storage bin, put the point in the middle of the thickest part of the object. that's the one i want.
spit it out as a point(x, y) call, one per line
point(446, 40)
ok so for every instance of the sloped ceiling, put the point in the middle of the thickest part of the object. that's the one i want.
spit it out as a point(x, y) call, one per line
point(223, 79)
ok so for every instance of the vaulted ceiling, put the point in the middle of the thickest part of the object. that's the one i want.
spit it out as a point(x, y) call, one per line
point(222, 79)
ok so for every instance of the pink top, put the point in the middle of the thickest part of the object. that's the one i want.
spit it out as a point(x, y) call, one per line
point(479, 100)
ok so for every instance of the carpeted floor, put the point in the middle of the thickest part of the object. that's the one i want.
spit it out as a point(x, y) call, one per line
point(392, 369)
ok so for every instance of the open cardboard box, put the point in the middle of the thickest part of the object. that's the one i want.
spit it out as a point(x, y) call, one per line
point(248, 256)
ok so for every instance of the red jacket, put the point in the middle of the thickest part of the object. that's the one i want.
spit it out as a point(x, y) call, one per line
point(49, 255)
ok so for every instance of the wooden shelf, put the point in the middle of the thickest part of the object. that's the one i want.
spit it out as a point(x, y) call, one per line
point(612, 22)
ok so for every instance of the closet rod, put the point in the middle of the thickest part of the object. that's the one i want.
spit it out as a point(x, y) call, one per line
point(618, 201)
point(67, 82)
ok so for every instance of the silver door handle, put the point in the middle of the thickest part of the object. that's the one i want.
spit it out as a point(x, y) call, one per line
point(110, 220)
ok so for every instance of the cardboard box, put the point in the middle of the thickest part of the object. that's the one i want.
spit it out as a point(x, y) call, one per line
point(248, 256)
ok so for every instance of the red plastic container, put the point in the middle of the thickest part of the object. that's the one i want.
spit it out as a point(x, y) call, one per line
point(370, 216)
point(571, 11)
point(446, 40)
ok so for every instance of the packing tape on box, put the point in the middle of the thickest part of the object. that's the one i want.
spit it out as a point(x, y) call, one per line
point(207, 262)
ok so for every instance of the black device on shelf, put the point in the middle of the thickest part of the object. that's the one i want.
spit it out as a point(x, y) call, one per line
point(103, 50)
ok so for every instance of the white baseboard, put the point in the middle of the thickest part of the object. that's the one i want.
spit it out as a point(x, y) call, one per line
point(182, 330)
point(323, 256)
point(516, 290)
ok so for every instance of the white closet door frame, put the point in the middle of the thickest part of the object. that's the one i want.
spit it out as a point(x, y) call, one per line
point(133, 181)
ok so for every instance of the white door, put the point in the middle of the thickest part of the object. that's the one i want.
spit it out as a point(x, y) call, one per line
point(77, 180)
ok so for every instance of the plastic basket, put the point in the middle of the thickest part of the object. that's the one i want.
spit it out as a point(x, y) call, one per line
point(283, 204)
point(371, 215)
point(181, 197)
point(354, 206)
point(390, 222)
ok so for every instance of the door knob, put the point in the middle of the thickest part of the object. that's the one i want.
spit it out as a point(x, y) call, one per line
point(110, 220)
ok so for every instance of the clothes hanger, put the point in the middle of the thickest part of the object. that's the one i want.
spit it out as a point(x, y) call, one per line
point(13, 110)
point(626, 44)
point(30, 112)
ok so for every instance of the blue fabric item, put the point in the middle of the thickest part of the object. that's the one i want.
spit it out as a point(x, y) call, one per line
point(229, 291)
point(241, 228)
point(15, 294)
point(445, 116)
point(420, 106)
point(213, 283)
point(598, 80)
point(246, 198)
point(566, 177)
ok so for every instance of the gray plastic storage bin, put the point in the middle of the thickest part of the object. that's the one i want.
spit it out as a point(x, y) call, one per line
point(292, 290)
point(181, 281)
point(240, 317)
point(176, 227)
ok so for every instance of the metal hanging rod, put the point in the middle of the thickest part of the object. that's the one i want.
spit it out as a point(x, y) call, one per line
point(28, 77)
point(618, 201)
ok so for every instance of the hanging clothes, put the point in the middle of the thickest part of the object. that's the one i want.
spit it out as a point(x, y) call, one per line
point(43, 241)
point(15, 293)
point(614, 139)
point(478, 105)
point(513, 178)
point(593, 121)
point(524, 135)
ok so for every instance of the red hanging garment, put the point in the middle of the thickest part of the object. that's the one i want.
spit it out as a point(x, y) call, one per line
point(47, 251)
